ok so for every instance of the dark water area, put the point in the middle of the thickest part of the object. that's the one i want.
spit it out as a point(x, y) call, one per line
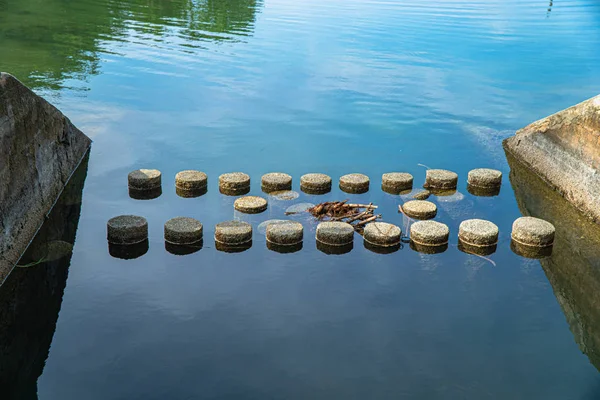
point(313, 86)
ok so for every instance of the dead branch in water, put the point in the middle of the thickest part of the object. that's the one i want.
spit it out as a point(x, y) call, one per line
point(358, 215)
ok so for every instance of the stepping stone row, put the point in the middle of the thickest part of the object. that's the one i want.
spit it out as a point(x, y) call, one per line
point(147, 184)
point(529, 235)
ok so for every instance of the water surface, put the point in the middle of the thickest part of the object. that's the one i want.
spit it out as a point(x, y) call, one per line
point(334, 87)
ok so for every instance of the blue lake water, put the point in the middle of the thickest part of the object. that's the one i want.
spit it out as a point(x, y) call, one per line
point(310, 86)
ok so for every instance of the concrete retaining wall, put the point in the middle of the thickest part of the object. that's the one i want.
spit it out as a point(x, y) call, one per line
point(39, 150)
point(573, 269)
point(564, 150)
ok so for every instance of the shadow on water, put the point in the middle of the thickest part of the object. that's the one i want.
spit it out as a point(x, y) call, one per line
point(573, 269)
point(31, 296)
point(53, 41)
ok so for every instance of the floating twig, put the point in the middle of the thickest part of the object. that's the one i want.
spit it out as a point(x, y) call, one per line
point(370, 219)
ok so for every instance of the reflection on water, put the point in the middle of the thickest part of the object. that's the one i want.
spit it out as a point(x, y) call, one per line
point(184, 249)
point(31, 296)
point(335, 87)
point(477, 250)
point(47, 43)
point(128, 251)
point(573, 268)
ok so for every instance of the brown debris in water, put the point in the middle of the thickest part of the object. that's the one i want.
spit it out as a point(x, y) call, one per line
point(357, 215)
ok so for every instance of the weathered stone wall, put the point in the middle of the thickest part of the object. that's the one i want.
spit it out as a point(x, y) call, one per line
point(573, 269)
point(564, 150)
point(39, 150)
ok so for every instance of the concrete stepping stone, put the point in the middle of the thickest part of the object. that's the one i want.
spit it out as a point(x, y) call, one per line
point(396, 182)
point(234, 184)
point(334, 233)
point(533, 232)
point(484, 178)
point(183, 231)
point(145, 184)
point(276, 181)
point(285, 234)
point(250, 204)
point(478, 232)
point(382, 234)
point(127, 229)
point(315, 183)
point(354, 183)
point(191, 180)
point(440, 179)
point(233, 233)
point(144, 179)
point(419, 209)
point(285, 237)
point(429, 233)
